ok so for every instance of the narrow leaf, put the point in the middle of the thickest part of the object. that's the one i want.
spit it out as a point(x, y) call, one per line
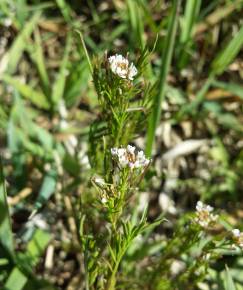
point(37, 245)
point(16, 280)
point(38, 58)
point(227, 55)
point(59, 85)
point(229, 283)
point(20, 43)
point(47, 189)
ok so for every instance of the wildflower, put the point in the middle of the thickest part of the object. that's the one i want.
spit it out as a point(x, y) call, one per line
point(204, 215)
point(120, 66)
point(104, 200)
point(128, 157)
point(237, 238)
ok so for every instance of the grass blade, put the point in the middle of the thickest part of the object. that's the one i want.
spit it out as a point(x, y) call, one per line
point(166, 60)
point(37, 98)
point(229, 283)
point(85, 51)
point(6, 238)
point(47, 189)
point(37, 245)
point(20, 43)
point(65, 10)
point(59, 85)
point(188, 22)
point(227, 55)
point(35, 249)
point(136, 22)
point(16, 280)
point(38, 58)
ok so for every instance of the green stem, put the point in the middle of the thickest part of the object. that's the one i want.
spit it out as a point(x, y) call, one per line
point(85, 51)
point(86, 272)
point(112, 281)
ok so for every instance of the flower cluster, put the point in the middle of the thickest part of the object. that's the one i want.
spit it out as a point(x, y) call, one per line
point(120, 66)
point(128, 157)
point(204, 215)
point(237, 238)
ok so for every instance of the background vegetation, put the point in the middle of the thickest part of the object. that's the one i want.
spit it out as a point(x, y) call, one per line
point(48, 107)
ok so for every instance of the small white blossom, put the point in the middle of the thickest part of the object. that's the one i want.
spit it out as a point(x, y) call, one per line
point(131, 149)
point(204, 215)
point(120, 66)
point(128, 157)
point(236, 233)
point(237, 238)
point(104, 200)
point(114, 151)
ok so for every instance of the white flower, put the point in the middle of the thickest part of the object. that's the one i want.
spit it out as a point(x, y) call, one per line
point(132, 71)
point(236, 233)
point(237, 238)
point(204, 215)
point(114, 151)
point(120, 66)
point(131, 149)
point(104, 199)
point(128, 157)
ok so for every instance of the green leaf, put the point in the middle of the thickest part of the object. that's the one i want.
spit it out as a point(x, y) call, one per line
point(187, 26)
point(34, 250)
point(37, 245)
point(65, 10)
point(165, 65)
point(136, 22)
point(37, 98)
point(76, 83)
point(20, 43)
point(190, 16)
point(6, 238)
point(113, 255)
point(59, 85)
point(47, 188)
point(38, 58)
point(16, 280)
point(229, 283)
point(227, 55)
